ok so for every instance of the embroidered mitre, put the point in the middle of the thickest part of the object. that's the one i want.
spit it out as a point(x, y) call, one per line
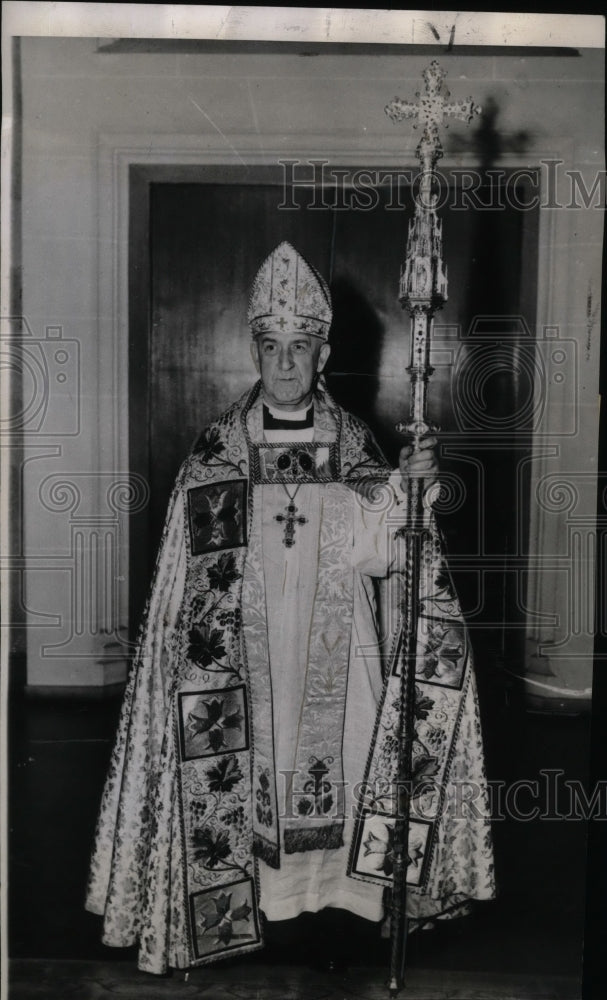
point(289, 294)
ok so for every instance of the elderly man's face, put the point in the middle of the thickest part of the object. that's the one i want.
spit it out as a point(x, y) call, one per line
point(287, 363)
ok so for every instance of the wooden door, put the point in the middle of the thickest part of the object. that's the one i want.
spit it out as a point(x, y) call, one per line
point(206, 241)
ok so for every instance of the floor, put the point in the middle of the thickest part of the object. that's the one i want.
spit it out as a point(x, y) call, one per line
point(96, 980)
point(526, 944)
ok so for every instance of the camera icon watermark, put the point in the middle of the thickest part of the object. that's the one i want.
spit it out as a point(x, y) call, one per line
point(44, 374)
point(506, 380)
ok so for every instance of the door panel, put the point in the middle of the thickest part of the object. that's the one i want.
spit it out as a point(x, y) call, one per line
point(206, 241)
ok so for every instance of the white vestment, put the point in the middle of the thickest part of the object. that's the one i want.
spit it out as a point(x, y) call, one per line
point(311, 880)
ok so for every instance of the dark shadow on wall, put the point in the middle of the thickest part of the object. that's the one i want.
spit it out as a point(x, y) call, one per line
point(356, 343)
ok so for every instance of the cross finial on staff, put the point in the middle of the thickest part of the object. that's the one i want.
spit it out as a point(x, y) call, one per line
point(430, 111)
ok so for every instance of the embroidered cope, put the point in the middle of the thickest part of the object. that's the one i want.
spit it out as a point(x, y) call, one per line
point(255, 758)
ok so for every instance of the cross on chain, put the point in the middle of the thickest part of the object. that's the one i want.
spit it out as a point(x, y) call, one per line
point(430, 112)
point(290, 519)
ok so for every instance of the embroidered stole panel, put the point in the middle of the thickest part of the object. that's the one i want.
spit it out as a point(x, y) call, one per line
point(223, 731)
point(445, 694)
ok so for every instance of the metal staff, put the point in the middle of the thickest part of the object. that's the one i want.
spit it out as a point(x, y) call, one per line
point(422, 290)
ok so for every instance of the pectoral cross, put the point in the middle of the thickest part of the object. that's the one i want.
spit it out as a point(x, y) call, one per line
point(290, 520)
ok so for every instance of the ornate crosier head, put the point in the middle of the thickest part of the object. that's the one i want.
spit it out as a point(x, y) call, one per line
point(431, 110)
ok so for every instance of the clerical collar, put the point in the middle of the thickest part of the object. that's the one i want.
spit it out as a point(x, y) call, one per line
point(292, 420)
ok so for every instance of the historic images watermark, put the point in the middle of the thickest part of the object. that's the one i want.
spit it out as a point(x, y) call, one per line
point(47, 372)
point(83, 564)
point(548, 185)
point(548, 796)
point(489, 352)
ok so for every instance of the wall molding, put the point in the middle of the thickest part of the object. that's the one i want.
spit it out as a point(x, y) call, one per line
point(117, 154)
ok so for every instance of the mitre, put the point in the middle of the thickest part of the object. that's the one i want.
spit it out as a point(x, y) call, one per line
point(289, 294)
